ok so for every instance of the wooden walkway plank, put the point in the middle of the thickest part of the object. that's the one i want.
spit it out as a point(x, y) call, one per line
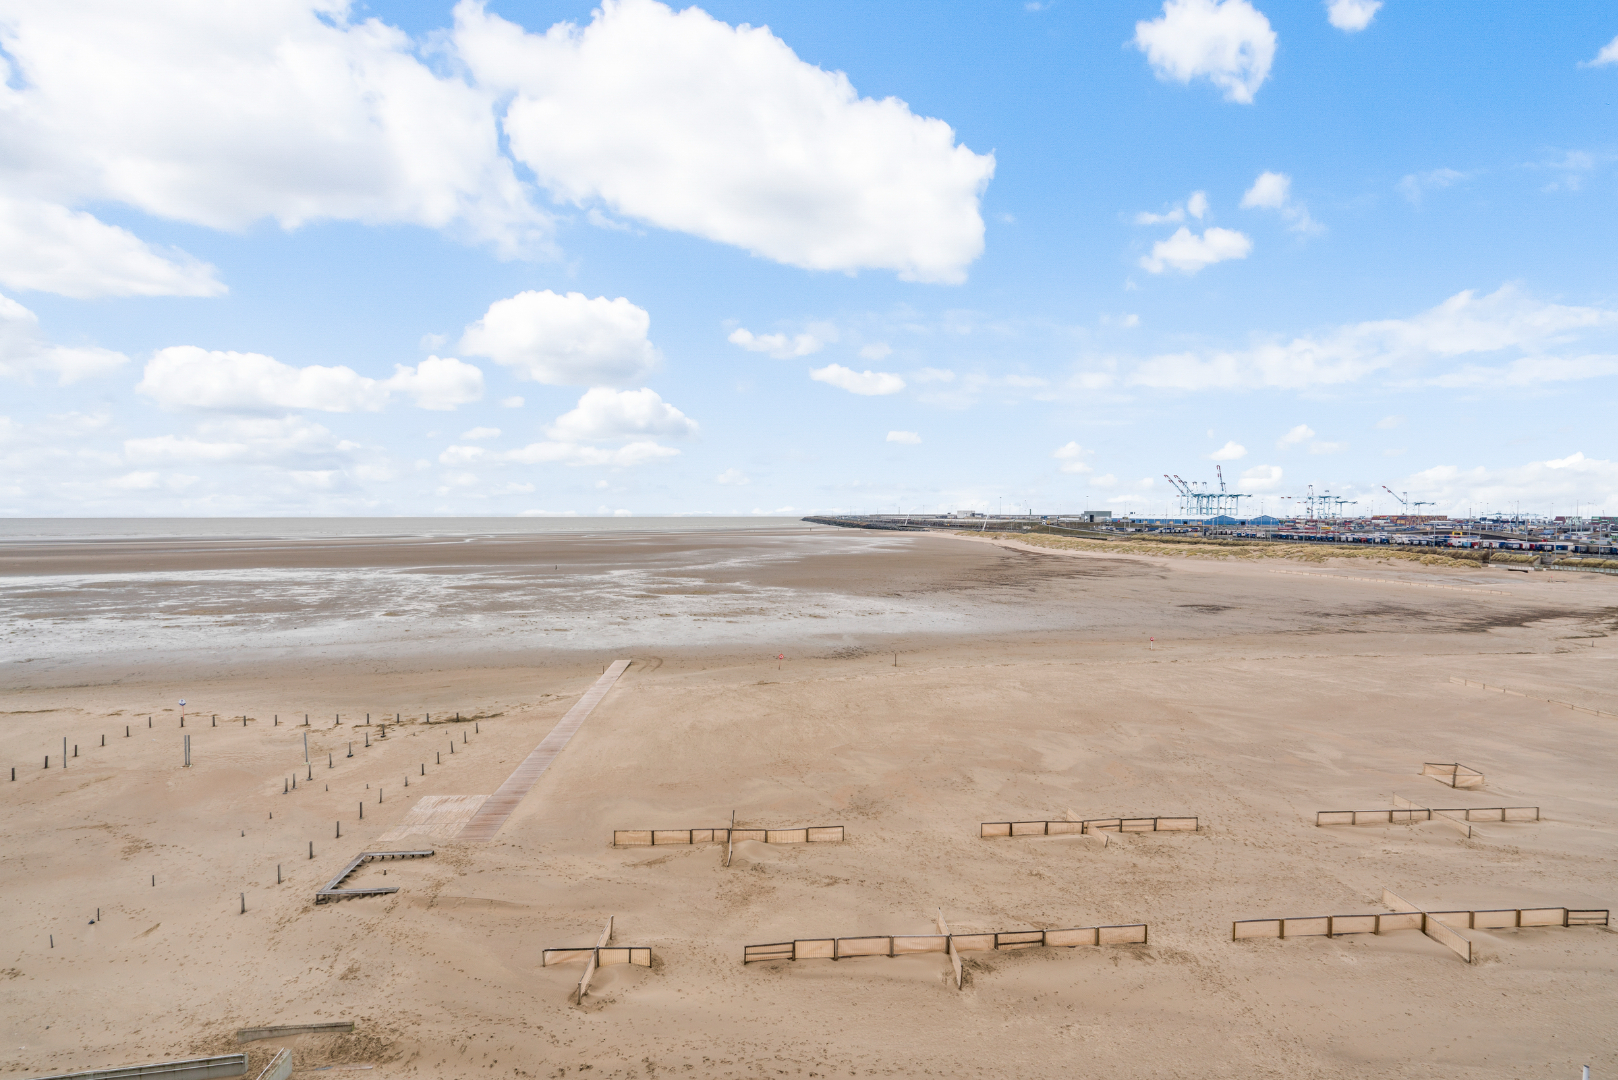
point(500, 806)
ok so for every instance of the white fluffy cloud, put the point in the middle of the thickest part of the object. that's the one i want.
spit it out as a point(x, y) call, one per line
point(1228, 42)
point(1299, 434)
point(1188, 253)
point(439, 383)
point(1351, 16)
point(185, 376)
point(622, 457)
point(226, 114)
point(870, 383)
point(24, 351)
point(733, 477)
point(49, 248)
point(1555, 485)
point(603, 414)
point(1607, 55)
point(1196, 206)
point(481, 433)
point(1270, 190)
point(558, 453)
point(1231, 451)
point(1072, 458)
point(909, 438)
point(681, 121)
point(568, 340)
point(780, 346)
point(1466, 324)
point(1273, 191)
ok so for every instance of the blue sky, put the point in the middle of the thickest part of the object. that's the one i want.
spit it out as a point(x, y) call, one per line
point(308, 258)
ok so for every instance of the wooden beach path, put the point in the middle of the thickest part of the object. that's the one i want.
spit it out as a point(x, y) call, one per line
point(498, 807)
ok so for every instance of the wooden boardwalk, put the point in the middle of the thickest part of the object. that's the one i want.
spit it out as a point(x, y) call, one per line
point(499, 806)
point(439, 816)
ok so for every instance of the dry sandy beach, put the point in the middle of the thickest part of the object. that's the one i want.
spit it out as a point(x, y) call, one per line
point(930, 683)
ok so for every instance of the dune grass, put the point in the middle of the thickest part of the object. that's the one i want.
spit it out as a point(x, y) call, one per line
point(1197, 547)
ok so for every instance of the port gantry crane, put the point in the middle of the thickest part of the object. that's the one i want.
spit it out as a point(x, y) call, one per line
point(1200, 502)
point(1404, 500)
point(1330, 506)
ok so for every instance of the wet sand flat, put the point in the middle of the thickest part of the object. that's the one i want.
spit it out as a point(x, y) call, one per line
point(930, 684)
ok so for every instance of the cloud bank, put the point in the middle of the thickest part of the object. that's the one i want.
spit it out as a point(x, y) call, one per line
point(187, 377)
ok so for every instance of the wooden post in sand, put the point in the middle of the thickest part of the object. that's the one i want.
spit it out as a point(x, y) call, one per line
point(730, 838)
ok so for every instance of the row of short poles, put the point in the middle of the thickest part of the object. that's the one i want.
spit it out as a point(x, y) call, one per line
point(292, 785)
point(337, 719)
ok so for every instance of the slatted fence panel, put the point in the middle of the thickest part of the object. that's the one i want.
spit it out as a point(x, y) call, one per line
point(1020, 939)
point(779, 950)
point(1494, 920)
point(814, 949)
point(814, 834)
point(1312, 926)
point(992, 829)
point(1242, 929)
point(864, 946)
